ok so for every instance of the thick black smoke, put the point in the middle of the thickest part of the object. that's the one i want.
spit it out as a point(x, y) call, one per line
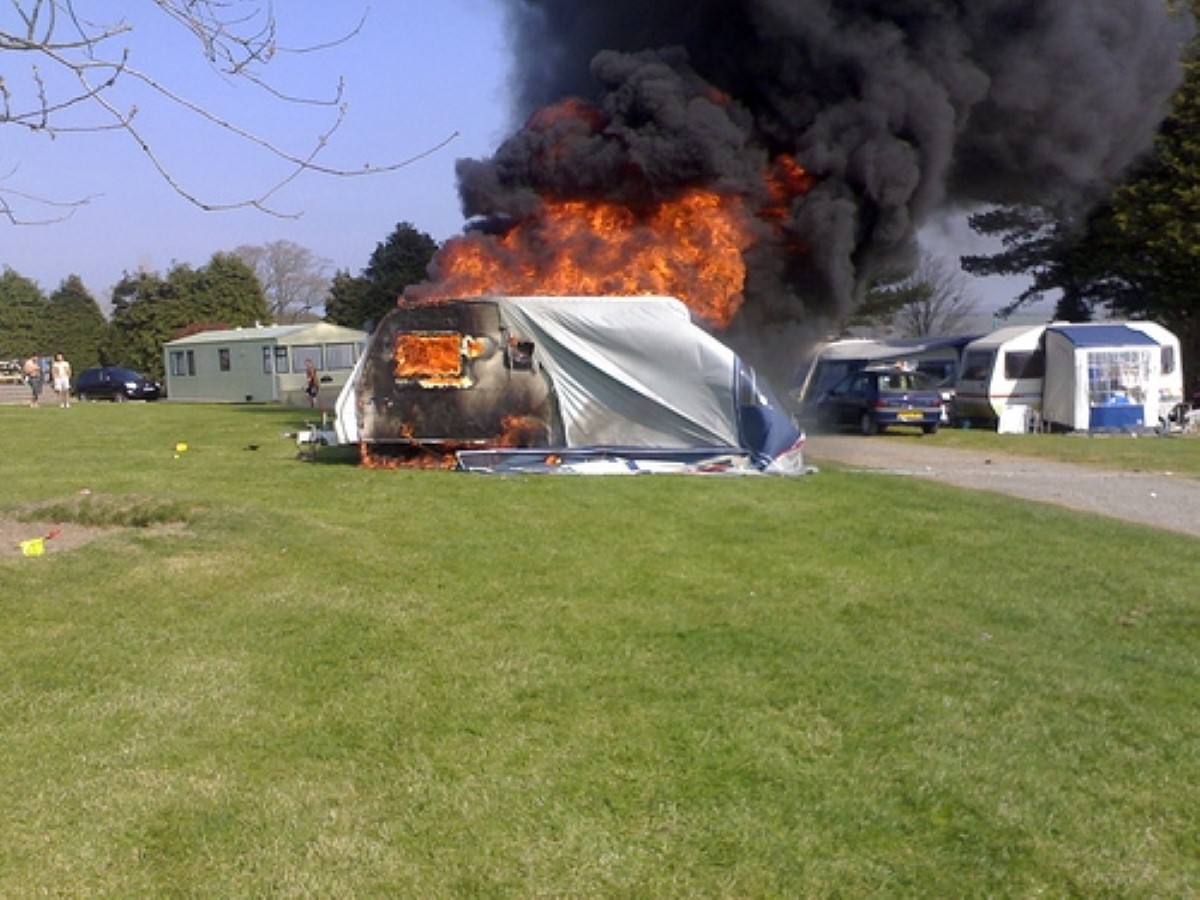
point(900, 108)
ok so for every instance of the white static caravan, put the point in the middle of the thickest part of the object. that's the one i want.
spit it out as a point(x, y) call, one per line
point(1109, 376)
point(264, 364)
point(1002, 377)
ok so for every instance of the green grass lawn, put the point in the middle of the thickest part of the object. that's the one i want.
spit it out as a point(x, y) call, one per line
point(285, 678)
point(1148, 453)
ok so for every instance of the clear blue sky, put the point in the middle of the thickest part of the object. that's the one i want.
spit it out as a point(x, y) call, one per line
point(419, 71)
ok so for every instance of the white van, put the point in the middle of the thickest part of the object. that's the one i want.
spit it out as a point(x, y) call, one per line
point(1002, 371)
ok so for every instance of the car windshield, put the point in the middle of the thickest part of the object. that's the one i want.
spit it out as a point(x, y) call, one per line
point(125, 374)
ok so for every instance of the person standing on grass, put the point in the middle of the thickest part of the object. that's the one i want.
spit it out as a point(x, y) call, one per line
point(312, 384)
point(33, 377)
point(60, 375)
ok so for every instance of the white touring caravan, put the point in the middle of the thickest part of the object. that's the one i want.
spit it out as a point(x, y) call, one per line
point(1086, 377)
point(1001, 379)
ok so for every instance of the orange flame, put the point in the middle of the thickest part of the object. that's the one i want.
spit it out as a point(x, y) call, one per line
point(521, 431)
point(405, 456)
point(786, 180)
point(690, 248)
point(420, 355)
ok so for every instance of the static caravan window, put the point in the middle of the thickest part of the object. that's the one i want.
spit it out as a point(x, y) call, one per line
point(268, 361)
point(281, 360)
point(339, 356)
point(223, 359)
point(1025, 364)
point(183, 363)
point(301, 353)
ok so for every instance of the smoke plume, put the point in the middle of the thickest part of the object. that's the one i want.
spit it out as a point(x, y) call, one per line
point(898, 108)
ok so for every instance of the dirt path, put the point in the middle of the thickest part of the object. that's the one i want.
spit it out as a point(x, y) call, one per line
point(1160, 500)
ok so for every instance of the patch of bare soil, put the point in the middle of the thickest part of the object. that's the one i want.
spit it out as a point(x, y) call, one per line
point(56, 537)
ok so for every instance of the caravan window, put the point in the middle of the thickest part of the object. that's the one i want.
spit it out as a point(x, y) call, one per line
point(1025, 364)
point(1168, 360)
point(1117, 377)
point(978, 365)
point(339, 356)
point(301, 353)
point(183, 362)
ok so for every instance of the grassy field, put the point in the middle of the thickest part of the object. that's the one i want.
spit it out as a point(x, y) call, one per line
point(272, 677)
point(1152, 453)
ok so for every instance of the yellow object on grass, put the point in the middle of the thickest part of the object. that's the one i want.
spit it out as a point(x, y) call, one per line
point(34, 547)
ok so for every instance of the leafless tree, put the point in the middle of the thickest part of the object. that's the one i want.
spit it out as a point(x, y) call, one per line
point(75, 53)
point(935, 298)
point(292, 278)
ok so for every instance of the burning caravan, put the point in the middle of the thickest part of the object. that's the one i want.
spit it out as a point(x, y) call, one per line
point(498, 381)
point(1111, 376)
point(1002, 377)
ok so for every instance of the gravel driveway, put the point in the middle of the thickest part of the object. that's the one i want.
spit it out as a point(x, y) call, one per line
point(1161, 500)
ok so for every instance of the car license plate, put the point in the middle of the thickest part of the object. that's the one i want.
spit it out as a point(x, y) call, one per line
point(911, 415)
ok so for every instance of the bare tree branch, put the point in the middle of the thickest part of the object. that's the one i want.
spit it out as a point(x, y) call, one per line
point(292, 277)
point(60, 212)
point(76, 65)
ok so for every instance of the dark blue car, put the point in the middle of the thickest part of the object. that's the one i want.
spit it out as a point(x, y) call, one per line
point(877, 398)
point(115, 383)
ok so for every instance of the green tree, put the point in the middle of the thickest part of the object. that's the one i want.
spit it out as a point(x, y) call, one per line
point(1035, 242)
point(24, 316)
point(402, 260)
point(145, 311)
point(348, 300)
point(1142, 250)
point(225, 291)
point(149, 310)
point(78, 327)
point(1135, 255)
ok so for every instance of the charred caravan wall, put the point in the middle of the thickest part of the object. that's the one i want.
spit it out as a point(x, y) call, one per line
point(452, 374)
